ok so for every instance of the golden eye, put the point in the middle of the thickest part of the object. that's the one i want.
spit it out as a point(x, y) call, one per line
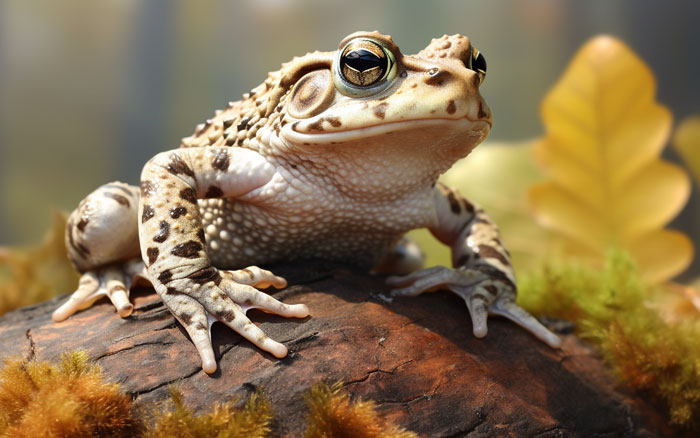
point(478, 64)
point(364, 67)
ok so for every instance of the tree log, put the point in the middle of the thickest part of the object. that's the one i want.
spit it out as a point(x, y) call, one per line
point(415, 357)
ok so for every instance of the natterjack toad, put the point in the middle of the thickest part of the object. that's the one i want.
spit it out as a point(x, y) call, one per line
point(336, 156)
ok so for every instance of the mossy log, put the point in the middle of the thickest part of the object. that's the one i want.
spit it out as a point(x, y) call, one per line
point(415, 357)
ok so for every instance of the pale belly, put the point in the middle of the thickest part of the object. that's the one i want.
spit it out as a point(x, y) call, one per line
point(239, 234)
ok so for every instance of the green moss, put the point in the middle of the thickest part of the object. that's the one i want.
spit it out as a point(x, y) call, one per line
point(612, 309)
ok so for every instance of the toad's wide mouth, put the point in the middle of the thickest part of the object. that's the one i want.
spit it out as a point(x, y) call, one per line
point(479, 127)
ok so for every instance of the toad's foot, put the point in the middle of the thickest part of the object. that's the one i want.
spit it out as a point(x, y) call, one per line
point(483, 293)
point(112, 281)
point(210, 295)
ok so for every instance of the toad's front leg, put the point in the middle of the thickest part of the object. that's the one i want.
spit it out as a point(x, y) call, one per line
point(482, 273)
point(174, 250)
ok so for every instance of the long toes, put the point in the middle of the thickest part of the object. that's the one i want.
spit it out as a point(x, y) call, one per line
point(247, 297)
point(193, 318)
point(478, 309)
point(244, 327)
point(87, 293)
point(403, 280)
point(260, 278)
point(512, 311)
point(117, 291)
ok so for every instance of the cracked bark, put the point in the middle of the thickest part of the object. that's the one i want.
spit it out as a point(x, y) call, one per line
point(416, 357)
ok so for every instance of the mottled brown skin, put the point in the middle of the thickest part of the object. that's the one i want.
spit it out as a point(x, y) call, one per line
point(307, 165)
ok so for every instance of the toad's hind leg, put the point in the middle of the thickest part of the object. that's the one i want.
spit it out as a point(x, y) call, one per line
point(102, 243)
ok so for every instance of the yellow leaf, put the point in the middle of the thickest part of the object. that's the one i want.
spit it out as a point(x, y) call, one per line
point(661, 254)
point(607, 186)
point(686, 141)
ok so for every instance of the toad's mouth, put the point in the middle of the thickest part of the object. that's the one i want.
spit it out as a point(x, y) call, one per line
point(477, 129)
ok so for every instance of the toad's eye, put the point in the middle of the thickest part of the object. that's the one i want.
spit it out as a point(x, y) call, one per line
point(478, 64)
point(364, 67)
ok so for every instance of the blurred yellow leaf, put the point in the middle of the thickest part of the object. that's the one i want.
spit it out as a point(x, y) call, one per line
point(496, 176)
point(686, 141)
point(32, 275)
point(607, 186)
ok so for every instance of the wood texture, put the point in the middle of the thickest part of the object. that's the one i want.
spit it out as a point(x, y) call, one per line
point(416, 357)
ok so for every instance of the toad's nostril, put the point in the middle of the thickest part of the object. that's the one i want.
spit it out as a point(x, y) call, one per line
point(435, 76)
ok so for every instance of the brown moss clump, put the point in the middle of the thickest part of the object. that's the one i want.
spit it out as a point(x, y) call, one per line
point(224, 421)
point(33, 275)
point(38, 399)
point(333, 415)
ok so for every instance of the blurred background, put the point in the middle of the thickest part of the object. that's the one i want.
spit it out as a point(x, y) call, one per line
point(90, 90)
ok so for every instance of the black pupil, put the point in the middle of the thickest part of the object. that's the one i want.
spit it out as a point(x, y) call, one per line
point(363, 60)
point(479, 63)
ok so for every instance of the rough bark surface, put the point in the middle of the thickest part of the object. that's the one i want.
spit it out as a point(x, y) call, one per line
point(416, 357)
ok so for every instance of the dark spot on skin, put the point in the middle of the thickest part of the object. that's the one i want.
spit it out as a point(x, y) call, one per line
point(188, 250)
point(152, 254)
point(468, 206)
point(221, 160)
point(380, 110)
point(454, 204)
point(480, 220)
point(177, 166)
point(200, 326)
point(200, 235)
point(83, 223)
point(176, 212)
point(123, 189)
point(188, 195)
point(316, 126)
point(163, 233)
point(71, 241)
point(148, 213)
point(495, 274)
point(206, 275)
point(451, 107)
point(231, 141)
point(165, 276)
point(226, 315)
point(404, 74)
point(491, 289)
point(147, 188)
point(243, 124)
point(293, 166)
point(119, 198)
point(83, 250)
point(490, 252)
point(173, 291)
point(482, 113)
point(334, 121)
point(478, 296)
point(228, 123)
point(214, 192)
point(186, 318)
point(463, 260)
